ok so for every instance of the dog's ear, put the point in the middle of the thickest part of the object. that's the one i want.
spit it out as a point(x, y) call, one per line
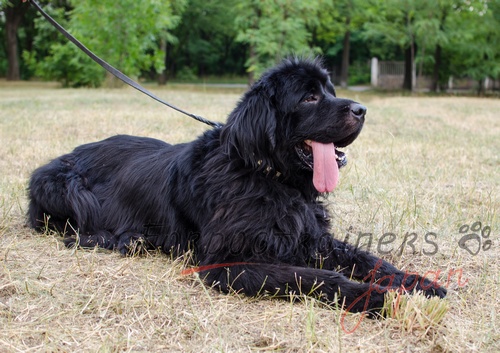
point(251, 127)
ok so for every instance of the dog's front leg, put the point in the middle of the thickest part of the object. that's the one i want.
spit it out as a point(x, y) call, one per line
point(283, 281)
point(356, 263)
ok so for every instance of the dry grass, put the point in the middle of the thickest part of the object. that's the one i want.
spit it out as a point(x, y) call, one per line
point(421, 165)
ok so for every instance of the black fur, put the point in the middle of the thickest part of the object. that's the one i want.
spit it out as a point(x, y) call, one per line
point(237, 195)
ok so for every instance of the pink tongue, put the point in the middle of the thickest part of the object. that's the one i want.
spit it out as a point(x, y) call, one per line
point(326, 170)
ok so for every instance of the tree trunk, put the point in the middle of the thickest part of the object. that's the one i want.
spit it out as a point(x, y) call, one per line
point(162, 78)
point(253, 59)
point(13, 15)
point(344, 73)
point(437, 65)
point(408, 82)
point(438, 60)
point(481, 88)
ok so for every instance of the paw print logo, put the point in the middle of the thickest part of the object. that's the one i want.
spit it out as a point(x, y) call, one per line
point(475, 234)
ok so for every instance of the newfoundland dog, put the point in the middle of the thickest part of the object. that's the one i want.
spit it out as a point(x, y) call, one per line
point(242, 197)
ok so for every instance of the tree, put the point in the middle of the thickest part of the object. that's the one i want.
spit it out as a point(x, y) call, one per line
point(54, 58)
point(344, 73)
point(129, 32)
point(178, 8)
point(14, 11)
point(433, 33)
point(454, 37)
point(393, 21)
point(274, 28)
point(209, 37)
point(119, 35)
point(475, 47)
point(441, 38)
point(338, 21)
point(205, 41)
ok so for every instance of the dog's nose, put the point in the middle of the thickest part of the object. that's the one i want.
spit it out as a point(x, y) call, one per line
point(358, 110)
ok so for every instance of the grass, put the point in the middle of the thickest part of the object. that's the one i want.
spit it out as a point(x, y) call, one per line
point(422, 168)
point(414, 312)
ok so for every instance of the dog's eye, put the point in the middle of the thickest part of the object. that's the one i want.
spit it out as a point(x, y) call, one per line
point(310, 99)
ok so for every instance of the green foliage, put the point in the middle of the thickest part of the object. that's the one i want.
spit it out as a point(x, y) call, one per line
point(56, 59)
point(359, 72)
point(113, 31)
point(475, 46)
point(389, 23)
point(275, 28)
point(335, 19)
point(127, 33)
point(186, 74)
point(465, 30)
point(68, 65)
point(209, 37)
point(205, 44)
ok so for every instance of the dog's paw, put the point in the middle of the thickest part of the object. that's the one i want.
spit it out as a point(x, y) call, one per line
point(131, 244)
point(70, 242)
point(102, 239)
point(369, 299)
point(431, 289)
point(424, 285)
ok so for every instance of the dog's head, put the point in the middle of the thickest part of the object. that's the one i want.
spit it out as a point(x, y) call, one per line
point(291, 120)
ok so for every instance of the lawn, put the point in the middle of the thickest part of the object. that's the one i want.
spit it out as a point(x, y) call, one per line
point(422, 177)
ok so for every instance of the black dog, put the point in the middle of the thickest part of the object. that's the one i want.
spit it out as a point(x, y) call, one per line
point(243, 197)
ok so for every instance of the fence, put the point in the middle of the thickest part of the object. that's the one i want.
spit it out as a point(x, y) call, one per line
point(387, 74)
point(390, 75)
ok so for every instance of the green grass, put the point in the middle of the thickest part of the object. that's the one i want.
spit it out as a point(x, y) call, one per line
point(422, 165)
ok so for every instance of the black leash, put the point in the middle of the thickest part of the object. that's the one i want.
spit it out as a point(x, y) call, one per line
point(118, 74)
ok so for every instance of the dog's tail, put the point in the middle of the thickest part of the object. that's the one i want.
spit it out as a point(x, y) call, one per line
point(60, 196)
